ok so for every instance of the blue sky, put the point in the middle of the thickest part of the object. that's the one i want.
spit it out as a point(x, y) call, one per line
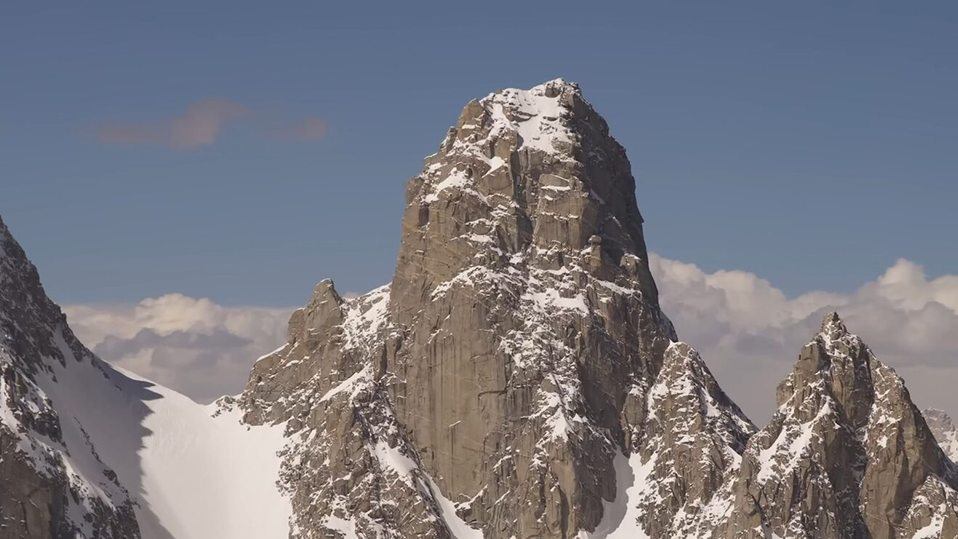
point(810, 144)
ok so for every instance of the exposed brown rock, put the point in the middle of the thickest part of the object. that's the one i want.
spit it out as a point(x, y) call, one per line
point(847, 454)
point(513, 363)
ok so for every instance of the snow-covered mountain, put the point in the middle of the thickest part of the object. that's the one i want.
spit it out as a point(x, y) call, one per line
point(847, 454)
point(500, 383)
point(88, 451)
point(516, 379)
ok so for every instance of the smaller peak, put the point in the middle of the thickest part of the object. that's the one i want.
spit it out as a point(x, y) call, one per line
point(679, 349)
point(326, 290)
point(325, 284)
point(324, 310)
point(936, 415)
point(833, 326)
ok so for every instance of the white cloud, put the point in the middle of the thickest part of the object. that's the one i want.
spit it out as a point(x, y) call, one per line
point(195, 346)
point(750, 332)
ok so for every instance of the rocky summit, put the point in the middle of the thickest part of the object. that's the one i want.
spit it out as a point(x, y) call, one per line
point(847, 454)
point(518, 354)
point(516, 379)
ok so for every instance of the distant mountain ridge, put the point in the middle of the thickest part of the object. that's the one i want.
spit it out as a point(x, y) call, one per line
point(944, 430)
point(516, 379)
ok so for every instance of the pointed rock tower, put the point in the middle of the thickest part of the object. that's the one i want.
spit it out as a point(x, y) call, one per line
point(847, 454)
point(518, 354)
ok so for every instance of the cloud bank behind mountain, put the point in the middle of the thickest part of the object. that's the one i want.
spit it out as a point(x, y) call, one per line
point(747, 330)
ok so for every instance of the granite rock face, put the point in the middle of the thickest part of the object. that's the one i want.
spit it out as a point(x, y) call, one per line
point(847, 454)
point(52, 482)
point(526, 311)
point(518, 353)
point(518, 379)
point(691, 446)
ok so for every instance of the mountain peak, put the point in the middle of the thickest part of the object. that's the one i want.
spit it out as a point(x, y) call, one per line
point(537, 119)
point(521, 290)
point(832, 326)
point(525, 168)
point(845, 429)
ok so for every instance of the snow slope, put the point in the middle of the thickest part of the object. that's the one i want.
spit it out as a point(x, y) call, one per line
point(195, 473)
point(209, 475)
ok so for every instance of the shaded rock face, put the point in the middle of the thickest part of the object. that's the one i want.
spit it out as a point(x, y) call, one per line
point(513, 357)
point(43, 495)
point(847, 454)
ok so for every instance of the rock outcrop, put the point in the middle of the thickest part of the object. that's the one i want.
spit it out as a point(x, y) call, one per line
point(846, 455)
point(691, 446)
